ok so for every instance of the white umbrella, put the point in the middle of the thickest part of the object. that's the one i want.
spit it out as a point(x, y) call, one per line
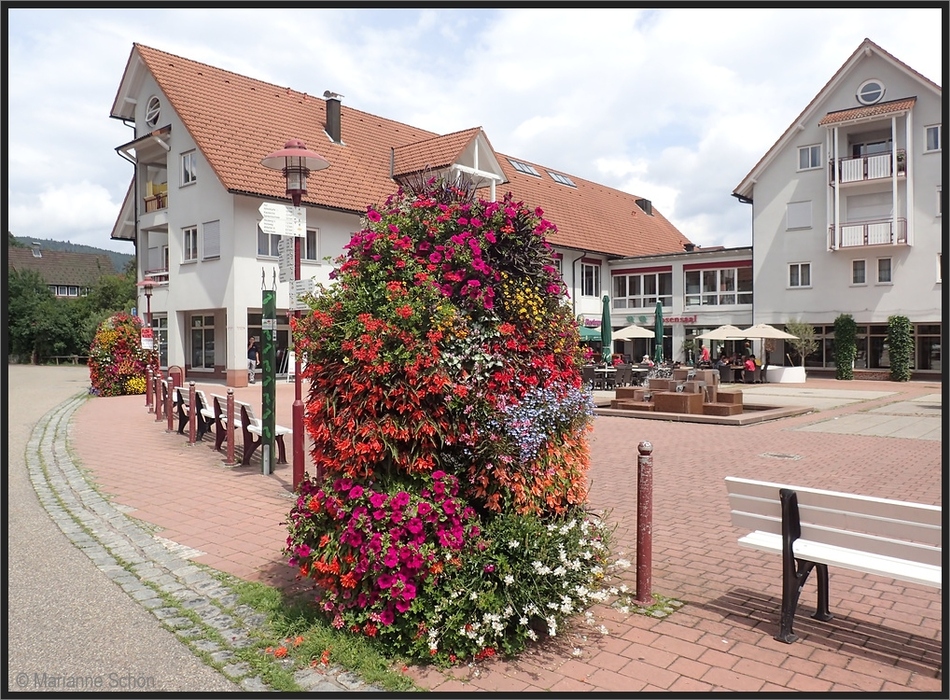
point(763, 330)
point(726, 332)
point(633, 331)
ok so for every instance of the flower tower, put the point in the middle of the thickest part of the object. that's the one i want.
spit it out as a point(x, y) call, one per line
point(450, 428)
point(117, 362)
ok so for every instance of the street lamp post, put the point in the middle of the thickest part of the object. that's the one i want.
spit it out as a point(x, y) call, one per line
point(146, 286)
point(296, 162)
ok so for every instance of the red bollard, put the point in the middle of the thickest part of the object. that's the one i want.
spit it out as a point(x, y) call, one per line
point(192, 414)
point(645, 524)
point(229, 430)
point(148, 388)
point(158, 397)
point(170, 400)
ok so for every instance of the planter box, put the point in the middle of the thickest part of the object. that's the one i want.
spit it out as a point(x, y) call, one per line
point(785, 375)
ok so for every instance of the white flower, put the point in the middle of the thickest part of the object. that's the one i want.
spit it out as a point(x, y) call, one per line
point(603, 630)
point(532, 635)
point(553, 606)
point(623, 563)
point(509, 579)
point(623, 588)
point(508, 612)
point(576, 651)
point(567, 608)
point(473, 595)
point(560, 571)
point(523, 621)
point(625, 609)
point(513, 544)
point(480, 641)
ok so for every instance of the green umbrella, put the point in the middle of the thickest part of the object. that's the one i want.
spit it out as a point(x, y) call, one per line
point(658, 334)
point(588, 333)
point(605, 330)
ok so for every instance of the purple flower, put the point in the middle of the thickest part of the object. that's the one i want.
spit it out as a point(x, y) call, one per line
point(489, 568)
point(377, 499)
point(448, 507)
point(402, 605)
point(423, 507)
point(399, 500)
point(385, 581)
point(386, 617)
point(373, 215)
point(391, 558)
point(356, 492)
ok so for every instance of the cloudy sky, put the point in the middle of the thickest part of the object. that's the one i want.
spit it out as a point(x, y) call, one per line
point(675, 105)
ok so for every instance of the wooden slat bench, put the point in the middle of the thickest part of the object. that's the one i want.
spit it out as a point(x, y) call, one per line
point(813, 529)
point(220, 418)
point(253, 428)
point(202, 422)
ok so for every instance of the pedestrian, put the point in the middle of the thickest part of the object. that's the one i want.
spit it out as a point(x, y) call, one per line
point(253, 358)
point(704, 356)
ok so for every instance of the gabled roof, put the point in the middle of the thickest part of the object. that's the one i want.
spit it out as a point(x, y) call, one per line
point(62, 267)
point(235, 121)
point(744, 189)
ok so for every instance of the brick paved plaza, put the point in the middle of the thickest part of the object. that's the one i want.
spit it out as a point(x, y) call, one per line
point(886, 635)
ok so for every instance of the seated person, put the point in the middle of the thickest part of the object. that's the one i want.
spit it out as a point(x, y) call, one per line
point(646, 361)
point(748, 373)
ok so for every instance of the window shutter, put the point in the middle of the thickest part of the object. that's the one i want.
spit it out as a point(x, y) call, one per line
point(212, 239)
point(798, 215)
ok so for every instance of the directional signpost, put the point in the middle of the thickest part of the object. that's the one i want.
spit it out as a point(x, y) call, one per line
point(281, 220)
point(285, 259)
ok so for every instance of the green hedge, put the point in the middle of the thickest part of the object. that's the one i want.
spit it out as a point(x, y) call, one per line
point(845, 346)
point(900, 347)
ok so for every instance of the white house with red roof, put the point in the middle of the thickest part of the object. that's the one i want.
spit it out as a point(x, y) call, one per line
point(199, 134)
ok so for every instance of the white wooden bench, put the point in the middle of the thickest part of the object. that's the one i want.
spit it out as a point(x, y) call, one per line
point(253, 429)
point(203, 423)
point(219, 417)
point(813, 529)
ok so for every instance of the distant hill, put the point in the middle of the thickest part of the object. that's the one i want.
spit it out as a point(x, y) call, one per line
point(119, 260)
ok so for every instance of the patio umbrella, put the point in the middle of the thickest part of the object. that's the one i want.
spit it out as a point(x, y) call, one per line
point(605, 330)
point(658, 334)
point(634, 331)
point(588, 333)
point(726, 332)
point(763, 330)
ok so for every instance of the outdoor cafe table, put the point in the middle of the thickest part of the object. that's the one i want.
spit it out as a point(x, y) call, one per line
point(604, 373)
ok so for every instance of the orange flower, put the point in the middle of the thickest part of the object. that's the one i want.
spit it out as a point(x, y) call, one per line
point(298, 640)
point(325, 656)
point(280, 652)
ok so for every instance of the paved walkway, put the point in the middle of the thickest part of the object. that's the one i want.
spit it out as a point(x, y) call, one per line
point(886, 636)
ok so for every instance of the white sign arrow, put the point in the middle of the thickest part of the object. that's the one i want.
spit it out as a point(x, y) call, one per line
point(299, 288)
point(283, 220)
point(285, 259)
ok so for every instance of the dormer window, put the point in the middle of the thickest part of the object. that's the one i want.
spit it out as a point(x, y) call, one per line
point(153, 111)
point(870, 92)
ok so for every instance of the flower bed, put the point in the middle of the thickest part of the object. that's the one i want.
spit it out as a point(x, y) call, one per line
point(117, 362)
point(450, 431)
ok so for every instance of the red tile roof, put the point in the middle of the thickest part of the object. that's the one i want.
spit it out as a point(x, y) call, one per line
point(235, 121)
point(62, 267)
point(878, 110)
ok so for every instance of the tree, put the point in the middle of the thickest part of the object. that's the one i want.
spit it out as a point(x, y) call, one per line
point(845, 346)
point(39, 325)
point(804, 342)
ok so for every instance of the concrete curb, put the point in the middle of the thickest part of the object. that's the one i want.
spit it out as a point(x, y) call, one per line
point(145, 568)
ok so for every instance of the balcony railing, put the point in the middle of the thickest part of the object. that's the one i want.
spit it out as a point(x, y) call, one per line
point(158, 277)
point(863, 168)
point(856, 234)
point(156, 202)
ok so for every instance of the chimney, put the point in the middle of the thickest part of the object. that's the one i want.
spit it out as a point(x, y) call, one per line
point(646, 205)
point(333, 116)
point(689, 247)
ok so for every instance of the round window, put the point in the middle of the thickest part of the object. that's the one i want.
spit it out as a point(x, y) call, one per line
point(153, 111)
point(871, 92)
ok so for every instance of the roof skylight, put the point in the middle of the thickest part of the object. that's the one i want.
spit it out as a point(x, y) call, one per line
point(524, 168)
point(563, 179)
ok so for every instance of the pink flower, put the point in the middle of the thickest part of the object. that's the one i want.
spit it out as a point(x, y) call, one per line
point(356, 492)
point(377, 499)
point(373, 215)
point(386, 617)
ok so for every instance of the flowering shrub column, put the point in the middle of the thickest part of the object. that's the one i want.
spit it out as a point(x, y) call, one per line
point(117, 362)
point(449, 419)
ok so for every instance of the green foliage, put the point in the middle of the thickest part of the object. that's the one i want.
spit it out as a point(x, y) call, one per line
point(900, 347)
point(39, 325)
point(845, 346)
point(805, 342)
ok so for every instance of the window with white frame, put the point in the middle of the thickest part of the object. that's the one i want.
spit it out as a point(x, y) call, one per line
point(643, 290)
point(202, 342)
point(310, 245)
point(859, 272)
point(718, 286)
point(189, 167)
point(189, 244)
point(267, 244)
point(931, 138)
point(590, 280)
point(797, 215)
point(809, 157)
point(211, 245)
point(62, 291)
point(799, 274)
point(884, 270)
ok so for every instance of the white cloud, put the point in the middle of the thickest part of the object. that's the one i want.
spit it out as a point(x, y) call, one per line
point(675, 105)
